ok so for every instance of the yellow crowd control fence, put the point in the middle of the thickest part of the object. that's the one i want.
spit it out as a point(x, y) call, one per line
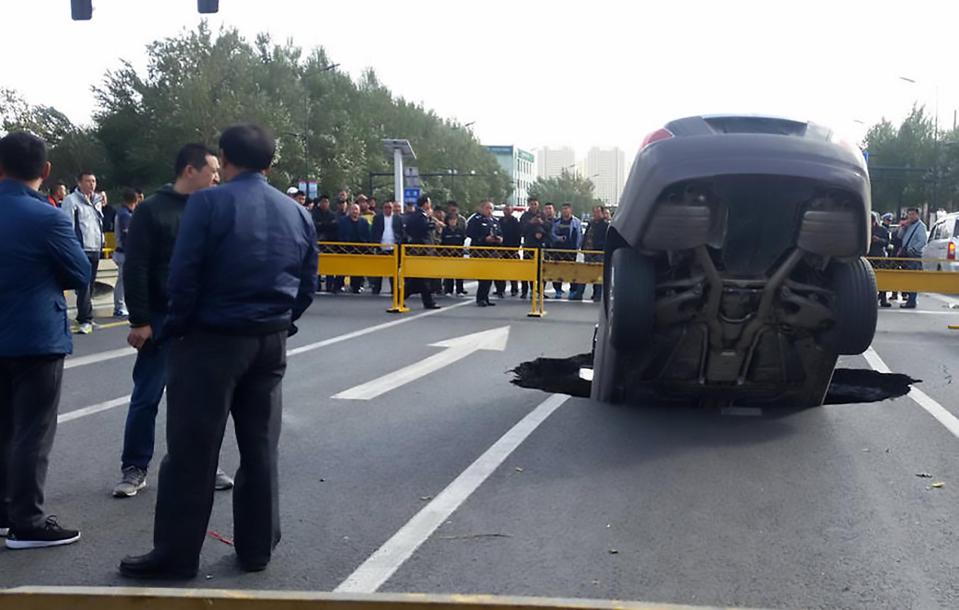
point(473, 263)
point(916, 275)
point(342, 259)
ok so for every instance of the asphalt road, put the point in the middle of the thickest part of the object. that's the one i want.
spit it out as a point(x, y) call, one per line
point(819, 508)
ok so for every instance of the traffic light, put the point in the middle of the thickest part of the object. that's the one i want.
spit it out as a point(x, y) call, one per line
point(208, 6)
point(82, 10)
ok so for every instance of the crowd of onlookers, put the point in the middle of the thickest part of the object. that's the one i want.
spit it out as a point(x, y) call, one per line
point(360, 220)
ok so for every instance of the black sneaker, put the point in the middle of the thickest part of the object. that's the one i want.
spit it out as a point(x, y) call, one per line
point(47, 535)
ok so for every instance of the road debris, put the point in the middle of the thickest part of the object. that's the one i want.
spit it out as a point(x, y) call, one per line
point(923, 475)
point(613, 551)
point(518, 469)
point(937, 485)
point(473, 536)
point(220, 537)
point(426, 498)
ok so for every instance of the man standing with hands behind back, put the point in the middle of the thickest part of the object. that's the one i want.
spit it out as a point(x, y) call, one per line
point(243, 271)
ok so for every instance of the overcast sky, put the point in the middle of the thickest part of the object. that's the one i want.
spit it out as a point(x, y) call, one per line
point(536, 72)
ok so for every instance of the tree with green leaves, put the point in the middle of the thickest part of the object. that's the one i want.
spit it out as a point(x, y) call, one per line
point(567, 187)
point(913, 164)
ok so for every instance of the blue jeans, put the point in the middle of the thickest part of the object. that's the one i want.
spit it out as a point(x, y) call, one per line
point(149, 381)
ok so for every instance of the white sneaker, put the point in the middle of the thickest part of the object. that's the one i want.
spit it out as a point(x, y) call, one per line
point(85, 329)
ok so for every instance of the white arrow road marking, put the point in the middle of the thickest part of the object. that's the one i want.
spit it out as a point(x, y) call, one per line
point(456, 349)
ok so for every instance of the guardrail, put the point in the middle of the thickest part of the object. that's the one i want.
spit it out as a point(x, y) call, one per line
point(124, 598)
point(344, 259)
point(474, 263)
point(916, 275)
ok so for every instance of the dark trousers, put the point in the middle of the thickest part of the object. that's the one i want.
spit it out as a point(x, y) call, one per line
point(423, 288)
point(211, 377)
point(85, 294)
point(376, 283)
point(482, 291)
point(448, 286)
point(149, 379)
point(29, 397)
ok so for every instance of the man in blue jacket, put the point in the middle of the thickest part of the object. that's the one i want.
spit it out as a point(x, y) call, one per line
point(243, 271)
point(354, 229)
point(40, 257)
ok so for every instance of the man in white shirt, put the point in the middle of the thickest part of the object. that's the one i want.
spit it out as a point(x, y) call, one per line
point(388, 231)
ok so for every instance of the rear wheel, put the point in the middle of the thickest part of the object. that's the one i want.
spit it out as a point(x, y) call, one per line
point(631, 299)
point(855, 308)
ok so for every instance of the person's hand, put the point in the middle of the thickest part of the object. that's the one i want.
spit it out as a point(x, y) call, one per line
point(139, 336)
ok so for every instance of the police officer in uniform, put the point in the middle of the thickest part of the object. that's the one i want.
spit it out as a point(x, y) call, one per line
point(484, 230)
point(420, 228)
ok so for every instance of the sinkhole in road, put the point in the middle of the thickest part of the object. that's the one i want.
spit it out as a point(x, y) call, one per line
point(849, 386)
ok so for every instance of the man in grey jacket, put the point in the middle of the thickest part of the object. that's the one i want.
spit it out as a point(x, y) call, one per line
point(84, 208)
point(914, 238)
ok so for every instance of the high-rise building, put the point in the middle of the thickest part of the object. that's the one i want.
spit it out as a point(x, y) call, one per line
point(606, 167)
point(552, 162)
point(520, 166)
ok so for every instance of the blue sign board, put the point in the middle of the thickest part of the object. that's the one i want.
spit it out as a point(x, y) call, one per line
point(410, 195)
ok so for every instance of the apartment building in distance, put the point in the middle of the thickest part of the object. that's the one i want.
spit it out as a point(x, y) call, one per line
point(551, 162)
point(520, 165)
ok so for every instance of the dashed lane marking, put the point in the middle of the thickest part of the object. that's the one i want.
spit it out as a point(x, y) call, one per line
point(922, 399)
point(383, 563)
point(123, 400)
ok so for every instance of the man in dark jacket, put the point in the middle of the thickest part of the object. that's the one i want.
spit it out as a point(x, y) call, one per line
point(594, 239)
point(243, 271)
point(40, 257)
point(535, 235)
point(454, 234)
point(877, 249)
point(420, 228)
point(388, 231)
point(354, 229)
point(326, 224)
point(148, 247)
point(532, 209)
point(121, 229)
point(484, 230)
point(512, 237)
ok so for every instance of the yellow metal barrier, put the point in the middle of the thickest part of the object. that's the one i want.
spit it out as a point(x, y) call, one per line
point(362, 260)
point(124, 598)
point(473, 263)
point(563, 266)
point(915, 275)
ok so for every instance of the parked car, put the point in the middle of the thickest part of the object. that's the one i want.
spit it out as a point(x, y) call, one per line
point(940, 252)
point(734, 265)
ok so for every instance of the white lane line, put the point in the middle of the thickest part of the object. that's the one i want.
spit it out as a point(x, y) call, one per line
point(371, 329)
point(70, 363)
point(950, 301)
point(383, 563)
point(123, 400)
point(942, 415)
point(97, 408)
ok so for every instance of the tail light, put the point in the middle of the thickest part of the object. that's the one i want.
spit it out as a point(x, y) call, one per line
point(951, 251)
point(656, 136)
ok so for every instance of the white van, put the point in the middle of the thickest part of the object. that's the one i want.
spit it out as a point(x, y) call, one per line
point(943, 242)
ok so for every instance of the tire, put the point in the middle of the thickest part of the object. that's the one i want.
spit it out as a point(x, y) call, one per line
point(630, 299)
point(607, 385)
point(855, 308)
